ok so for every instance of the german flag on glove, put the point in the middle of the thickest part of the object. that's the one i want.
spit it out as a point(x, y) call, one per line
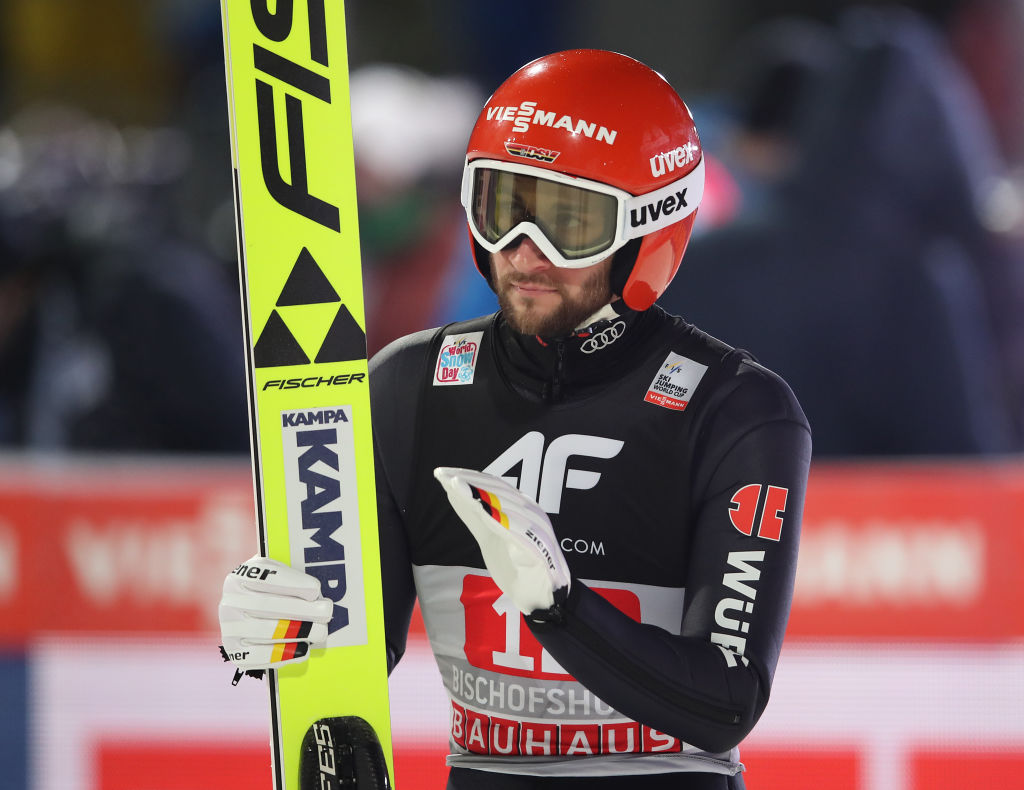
point(491, 505)
point(291, 629)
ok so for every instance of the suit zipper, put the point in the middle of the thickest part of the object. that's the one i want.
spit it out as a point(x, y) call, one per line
point(556, 380)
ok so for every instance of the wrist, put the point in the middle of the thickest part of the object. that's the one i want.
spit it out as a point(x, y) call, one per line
point(558, 612)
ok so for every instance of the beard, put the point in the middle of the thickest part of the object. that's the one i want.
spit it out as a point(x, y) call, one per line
point(527, 317)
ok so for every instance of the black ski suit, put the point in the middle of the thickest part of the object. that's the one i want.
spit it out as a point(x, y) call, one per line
point(673, 468)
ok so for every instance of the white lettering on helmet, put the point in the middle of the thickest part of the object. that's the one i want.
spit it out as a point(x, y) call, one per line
point(527, 114)
point(667, 161)
point(522, 118)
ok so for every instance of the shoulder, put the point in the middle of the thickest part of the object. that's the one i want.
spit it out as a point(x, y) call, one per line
point(734, 383)
point(399, 353)
point(401, 363)
point(755, 388)
point(751, 403)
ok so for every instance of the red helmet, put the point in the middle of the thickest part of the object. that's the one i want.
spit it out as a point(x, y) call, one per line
point(604, 134)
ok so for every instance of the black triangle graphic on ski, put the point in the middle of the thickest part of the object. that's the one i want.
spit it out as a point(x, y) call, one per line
point(307, 284)
point(277, 346)
point(345, 339)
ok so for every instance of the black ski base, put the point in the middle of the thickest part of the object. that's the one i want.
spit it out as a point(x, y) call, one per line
point(342, 753)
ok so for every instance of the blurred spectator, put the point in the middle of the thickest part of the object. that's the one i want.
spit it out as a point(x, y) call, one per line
point(115, 334)
point(409, 132)
point(766, 89)
point(988, 38)
point(857, 269)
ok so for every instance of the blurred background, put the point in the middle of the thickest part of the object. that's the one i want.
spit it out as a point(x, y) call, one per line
point(862, 234)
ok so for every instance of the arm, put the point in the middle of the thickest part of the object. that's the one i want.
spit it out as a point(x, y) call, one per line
point(709, 685)
point(393, 415)
point(396, 569)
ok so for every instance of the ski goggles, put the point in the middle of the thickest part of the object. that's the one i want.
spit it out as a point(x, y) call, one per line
point(573, 221)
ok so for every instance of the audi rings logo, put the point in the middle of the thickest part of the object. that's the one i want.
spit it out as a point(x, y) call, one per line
point(604, 338)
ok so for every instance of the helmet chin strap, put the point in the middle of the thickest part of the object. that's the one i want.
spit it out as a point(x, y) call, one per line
point(607, 313)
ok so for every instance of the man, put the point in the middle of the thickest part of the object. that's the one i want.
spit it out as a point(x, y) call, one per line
point(617, 620)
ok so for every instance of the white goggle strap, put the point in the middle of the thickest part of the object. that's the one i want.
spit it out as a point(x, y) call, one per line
point(666, 205)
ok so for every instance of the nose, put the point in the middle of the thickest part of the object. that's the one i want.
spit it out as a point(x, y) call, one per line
point(526, 256)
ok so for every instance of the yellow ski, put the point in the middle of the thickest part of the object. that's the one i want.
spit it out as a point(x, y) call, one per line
point(305, 345)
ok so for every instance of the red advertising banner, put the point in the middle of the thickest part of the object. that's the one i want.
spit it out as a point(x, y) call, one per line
point(119, 547)
point(924, 551)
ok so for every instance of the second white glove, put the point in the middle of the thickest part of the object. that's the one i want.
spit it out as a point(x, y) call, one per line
point(271, 614)
point(515, 536)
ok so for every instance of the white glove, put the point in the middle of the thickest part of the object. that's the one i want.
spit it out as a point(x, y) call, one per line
point(270, 614)
point(515, 536)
